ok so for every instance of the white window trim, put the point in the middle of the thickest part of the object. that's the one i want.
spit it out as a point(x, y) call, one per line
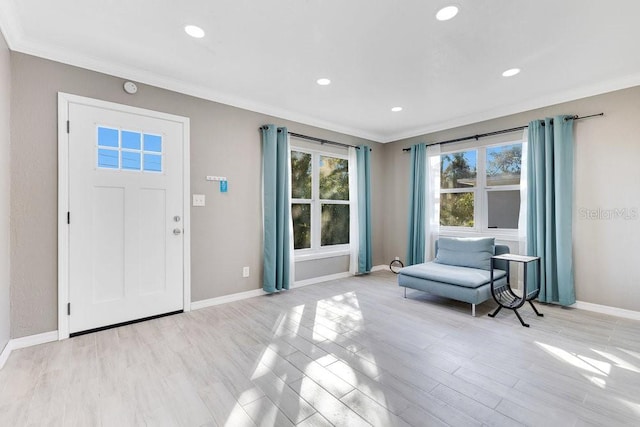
point(480, 212)
point(317, 251)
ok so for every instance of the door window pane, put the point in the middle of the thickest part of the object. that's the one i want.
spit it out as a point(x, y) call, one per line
point(301, 215)
point(334, 178)
point(456, 209)
point(300, 175)
point(152, 143)
point(503, 165)
point(130, 160)
point(458, 170)
point(130, 140)
point(335, 224)
point(503, 208)
point(107, 137)
point(108, 158)
point(153, 162)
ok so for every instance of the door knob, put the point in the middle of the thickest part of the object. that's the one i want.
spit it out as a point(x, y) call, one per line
point(177, 231)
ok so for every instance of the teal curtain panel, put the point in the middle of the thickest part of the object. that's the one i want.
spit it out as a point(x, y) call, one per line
point(276, 208)
point(417, 235)
point(363, 159)
point(550, 204)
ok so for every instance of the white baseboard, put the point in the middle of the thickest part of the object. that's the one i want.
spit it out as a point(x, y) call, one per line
point(380, 268)
point(28, 341)
point(258, 292)
point(197, 305)
point(605, 309)
point(314, 280)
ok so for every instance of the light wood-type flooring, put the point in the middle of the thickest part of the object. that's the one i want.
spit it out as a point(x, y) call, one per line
point(348, 352)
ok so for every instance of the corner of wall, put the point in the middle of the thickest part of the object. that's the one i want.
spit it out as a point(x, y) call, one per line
point(5, 135)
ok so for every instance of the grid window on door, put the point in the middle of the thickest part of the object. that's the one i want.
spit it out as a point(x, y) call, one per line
point(129, 150)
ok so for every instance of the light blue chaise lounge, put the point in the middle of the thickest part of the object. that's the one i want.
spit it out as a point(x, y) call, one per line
point(460, 270)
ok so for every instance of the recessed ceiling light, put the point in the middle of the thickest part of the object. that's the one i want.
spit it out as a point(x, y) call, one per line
point(194, 31)
point(447, 13)
point(396, 109)
point(323, 82)
point(511, 72)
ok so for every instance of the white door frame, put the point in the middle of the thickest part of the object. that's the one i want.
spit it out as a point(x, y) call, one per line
point(64, 99)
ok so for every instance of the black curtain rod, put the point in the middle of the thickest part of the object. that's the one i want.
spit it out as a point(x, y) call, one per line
point(319, 140)
point(500, 132)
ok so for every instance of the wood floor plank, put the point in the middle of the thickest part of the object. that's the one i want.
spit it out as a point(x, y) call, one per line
point(284, 397)
point(371, 410)
point(224, 408)
point(381, 394)
point(266, 414)
point(321, 375)
point(335, 411)
point(315, 420)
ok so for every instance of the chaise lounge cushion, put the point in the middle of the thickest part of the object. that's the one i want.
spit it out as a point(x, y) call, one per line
point(454, 275)
point(466, 252)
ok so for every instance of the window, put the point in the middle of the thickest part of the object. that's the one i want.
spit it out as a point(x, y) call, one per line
point(480, 188)
point(458, 178)
point(129, 150)
point(319, 200)
point(503, 185)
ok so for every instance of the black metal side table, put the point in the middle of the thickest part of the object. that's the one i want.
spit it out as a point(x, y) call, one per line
point(504, 295)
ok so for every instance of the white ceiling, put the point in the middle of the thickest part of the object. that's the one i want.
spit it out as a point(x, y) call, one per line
point(266, 55)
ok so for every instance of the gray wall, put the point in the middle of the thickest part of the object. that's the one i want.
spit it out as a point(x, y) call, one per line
point(225, 235)
point(5, 99)
point(607, 152)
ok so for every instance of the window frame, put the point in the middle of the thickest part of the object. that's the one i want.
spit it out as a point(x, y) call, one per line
point(481, 194)
point(316, 250)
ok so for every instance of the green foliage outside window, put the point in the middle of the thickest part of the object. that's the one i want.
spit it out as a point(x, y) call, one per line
point(334, 178)
point(335, 224)
point(457, 170)
point(301, 215)
point(456, 209)
point(300, 175)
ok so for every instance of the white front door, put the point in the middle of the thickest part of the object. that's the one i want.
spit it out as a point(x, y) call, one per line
point(125, 231)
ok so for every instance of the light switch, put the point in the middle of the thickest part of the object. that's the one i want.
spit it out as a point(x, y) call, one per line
point(198, 200)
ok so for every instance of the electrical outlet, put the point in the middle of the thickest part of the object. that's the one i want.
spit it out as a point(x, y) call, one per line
point(245, 271)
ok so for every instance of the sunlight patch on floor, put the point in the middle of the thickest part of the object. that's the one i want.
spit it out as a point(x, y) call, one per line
point(581, 362)
point(620, 363)
point(600, 382)
point(630, 353)
point(635, 407)
point(289, 322)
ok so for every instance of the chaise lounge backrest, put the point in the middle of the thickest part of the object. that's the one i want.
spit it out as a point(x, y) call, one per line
point(498, 250)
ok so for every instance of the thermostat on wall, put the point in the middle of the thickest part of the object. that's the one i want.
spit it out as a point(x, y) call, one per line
point(130, 87)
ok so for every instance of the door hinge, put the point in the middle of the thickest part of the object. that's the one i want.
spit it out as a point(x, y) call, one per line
point(68, 217)
point(68, 309)
point(68, 126)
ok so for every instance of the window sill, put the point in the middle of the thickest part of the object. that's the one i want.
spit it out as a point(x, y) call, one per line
point(309, 256)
